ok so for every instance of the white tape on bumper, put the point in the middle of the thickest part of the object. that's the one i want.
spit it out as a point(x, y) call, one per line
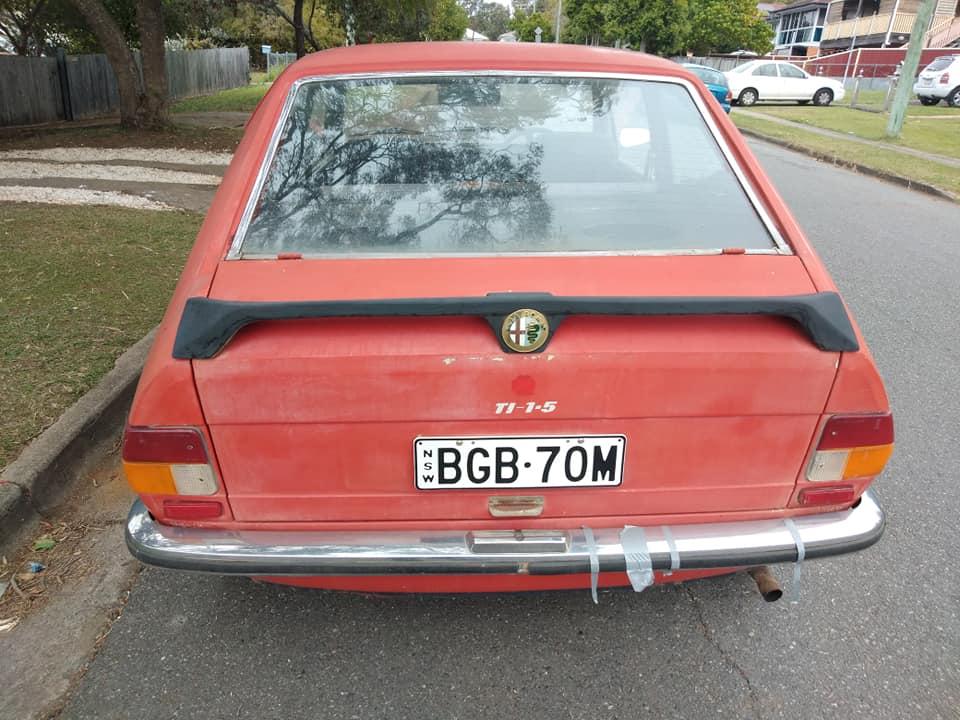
point(637, 557)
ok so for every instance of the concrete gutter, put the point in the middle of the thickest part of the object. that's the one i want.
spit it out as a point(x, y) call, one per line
point(43, 473)
point(906, 182)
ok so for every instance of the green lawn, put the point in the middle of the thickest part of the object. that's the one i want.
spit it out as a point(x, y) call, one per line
point(78, 286)
point(242, 99)
point(843, 151)
point(940, 136)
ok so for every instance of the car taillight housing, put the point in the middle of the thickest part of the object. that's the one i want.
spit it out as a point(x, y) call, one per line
point(729, 97)
point(852, 446)
point(167, 461)
point(945, 79)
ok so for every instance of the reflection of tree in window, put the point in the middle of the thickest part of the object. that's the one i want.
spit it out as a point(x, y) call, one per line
point(496, 164)
point(375, 165)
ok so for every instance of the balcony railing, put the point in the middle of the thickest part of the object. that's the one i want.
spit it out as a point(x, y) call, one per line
point(870, 25)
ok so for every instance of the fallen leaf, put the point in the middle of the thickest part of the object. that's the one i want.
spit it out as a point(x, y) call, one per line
point(44, 543)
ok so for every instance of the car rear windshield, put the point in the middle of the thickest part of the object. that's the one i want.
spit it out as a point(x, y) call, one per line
point(709, 76)
point(941, 63)
point(488, 164)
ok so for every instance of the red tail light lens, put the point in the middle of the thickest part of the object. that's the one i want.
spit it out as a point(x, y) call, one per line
point(167, 461)
point(852, 446)
point(945, 79)
point(828, 496)
point(850, 431)
point(192, 509)
point(166, 445)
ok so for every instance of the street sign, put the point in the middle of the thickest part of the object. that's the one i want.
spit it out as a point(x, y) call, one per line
point(265, 49)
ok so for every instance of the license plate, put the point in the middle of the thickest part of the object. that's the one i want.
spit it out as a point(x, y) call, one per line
point(486, 463)
point(926, 82)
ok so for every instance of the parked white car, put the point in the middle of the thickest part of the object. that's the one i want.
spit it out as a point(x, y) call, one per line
point(940, 80)
point(768, 80)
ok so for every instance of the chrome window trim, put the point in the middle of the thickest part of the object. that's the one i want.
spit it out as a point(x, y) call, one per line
point(235, 252)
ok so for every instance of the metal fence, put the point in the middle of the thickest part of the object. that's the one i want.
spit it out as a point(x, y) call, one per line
point(277, 61)
point(728, 62)
point(74, 87)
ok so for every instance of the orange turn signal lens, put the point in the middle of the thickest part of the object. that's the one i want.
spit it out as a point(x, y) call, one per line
point(150, 478)
point(867, 461)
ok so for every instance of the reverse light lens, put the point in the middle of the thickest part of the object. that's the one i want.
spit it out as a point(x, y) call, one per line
point(167, 461)
point(852, 446)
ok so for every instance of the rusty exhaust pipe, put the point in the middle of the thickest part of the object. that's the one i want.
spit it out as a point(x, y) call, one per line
point(766, 583)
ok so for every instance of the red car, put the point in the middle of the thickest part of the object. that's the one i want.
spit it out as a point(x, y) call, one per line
point(491, 317)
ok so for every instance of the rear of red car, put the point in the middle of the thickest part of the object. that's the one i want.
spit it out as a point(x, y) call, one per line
point(490, 318)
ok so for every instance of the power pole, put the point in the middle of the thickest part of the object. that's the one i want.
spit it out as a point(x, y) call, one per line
point(556, 29)
point(908, 72)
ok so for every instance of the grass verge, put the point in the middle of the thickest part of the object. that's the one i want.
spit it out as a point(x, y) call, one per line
point(111, 135)
point(78, 286)
point(241, 99)
point(933, 135)
point(850, 153)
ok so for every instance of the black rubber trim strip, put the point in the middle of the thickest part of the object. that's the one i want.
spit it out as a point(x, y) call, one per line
point(206, 325)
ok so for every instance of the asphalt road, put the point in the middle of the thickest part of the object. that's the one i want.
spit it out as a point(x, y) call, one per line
point(876, 635)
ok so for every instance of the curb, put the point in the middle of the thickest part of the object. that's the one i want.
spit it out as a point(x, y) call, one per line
point(39, 478)
point(862, 169)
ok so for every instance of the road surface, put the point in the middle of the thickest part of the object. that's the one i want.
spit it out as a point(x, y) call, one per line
point(876, 635)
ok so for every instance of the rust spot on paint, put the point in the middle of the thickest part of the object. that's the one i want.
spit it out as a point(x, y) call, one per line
point(524, 385)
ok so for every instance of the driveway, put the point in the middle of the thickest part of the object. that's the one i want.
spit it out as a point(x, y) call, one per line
point(875, 635)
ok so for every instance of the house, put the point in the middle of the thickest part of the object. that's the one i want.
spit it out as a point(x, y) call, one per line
point(799, 27)
point(886, 23)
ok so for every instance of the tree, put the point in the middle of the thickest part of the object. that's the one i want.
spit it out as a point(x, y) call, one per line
point(265, 22)
point(318, 30)
point(24, 24)
point(586, 21)
point(525, 26)
point(449, 21)
point(654, 26)
point(143, 102)
point(727, 25)
point(490, 19)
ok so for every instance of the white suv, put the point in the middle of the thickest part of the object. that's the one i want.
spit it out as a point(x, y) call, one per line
point(940, 80)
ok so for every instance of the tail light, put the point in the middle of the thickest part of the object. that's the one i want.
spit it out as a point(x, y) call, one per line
point(852, 446)
point(167, 461)
point(729, 98)
point(945, 79)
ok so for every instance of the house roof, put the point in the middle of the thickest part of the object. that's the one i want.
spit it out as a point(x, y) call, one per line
point(800, 6)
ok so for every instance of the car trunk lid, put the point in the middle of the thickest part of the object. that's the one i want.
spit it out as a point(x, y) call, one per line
point(315, 420)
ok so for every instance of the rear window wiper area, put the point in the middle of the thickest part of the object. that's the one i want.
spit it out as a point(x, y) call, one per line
point(207, 325)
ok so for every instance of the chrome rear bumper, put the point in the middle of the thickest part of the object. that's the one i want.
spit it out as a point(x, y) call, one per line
point(534, 552)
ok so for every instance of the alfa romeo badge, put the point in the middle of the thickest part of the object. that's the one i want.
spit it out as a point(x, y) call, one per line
point(525, 330)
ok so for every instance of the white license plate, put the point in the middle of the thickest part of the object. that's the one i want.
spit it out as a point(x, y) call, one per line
point(488, 463)
point(926, 82)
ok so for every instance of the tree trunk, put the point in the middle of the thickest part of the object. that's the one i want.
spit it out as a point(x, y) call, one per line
point(298, 38)
point(155, 111)
point(120, 56)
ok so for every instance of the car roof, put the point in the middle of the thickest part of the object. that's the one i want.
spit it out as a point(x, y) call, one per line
point(697, 65)
point(473, 56)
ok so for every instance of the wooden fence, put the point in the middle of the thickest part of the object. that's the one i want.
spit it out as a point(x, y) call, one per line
point(74, 87)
